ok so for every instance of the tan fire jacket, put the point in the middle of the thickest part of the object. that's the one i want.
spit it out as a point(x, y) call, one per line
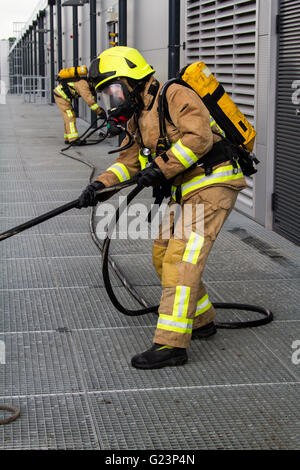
point(191, 137)
point(80, 88)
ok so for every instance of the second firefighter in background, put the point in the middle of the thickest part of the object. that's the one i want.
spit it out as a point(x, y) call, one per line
point(131, 92)
point(69, 89)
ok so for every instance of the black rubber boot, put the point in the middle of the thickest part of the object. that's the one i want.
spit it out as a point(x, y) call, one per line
point(160, 356)
point(66, 142)
point(204, 331)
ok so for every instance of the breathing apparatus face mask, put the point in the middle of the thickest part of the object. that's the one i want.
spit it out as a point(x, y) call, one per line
point(120, 104)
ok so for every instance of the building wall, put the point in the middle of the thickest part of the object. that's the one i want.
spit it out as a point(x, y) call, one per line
point(236, 38)
point(266, 109)
point(4, 73)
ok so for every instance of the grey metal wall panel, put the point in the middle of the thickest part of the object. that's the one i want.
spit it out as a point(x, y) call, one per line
point(266, 83)
point(222, 33)
point(287, 162)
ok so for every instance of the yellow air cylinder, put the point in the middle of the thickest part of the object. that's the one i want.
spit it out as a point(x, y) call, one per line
point(73, 72)
point(221, 107)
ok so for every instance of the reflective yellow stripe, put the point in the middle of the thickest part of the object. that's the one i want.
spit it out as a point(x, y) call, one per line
point(94, 106)
point(69, 113)
point(193, 248)
point(181, 301)
point(144, 161)
point(120, 171)
point(219, 175)
point(203, 305)
point(73, 128)
point(171, 323)
point(213, 123)
point(62, 93)
point(185, 155)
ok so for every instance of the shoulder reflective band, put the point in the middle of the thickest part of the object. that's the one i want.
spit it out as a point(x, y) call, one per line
point(219, 175)
point(186, 156)
point(171, 323)
point(203, 305)
point(62, 93)
point(120, 171)
point(193, 248)
point(94, 106)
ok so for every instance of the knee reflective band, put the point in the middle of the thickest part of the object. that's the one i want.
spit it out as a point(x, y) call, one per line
point(178, 322)
point(120, 171)
point(74, 133)
point(219, 175)
point(193, 248)
point(185, 155)
point(181, 301)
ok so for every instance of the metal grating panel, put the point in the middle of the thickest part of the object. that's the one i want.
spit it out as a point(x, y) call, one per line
point(222, 33)
point(287, 163)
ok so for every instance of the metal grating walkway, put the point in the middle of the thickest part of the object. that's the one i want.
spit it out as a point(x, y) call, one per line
point(68, 351)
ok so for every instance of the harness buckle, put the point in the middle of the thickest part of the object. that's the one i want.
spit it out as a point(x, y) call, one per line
point(208, 170)
point(234, 162)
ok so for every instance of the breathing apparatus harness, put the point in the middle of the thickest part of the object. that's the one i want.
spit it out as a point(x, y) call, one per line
point(228, 149)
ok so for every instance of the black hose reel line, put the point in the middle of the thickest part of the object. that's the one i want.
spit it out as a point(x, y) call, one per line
point(267, 314)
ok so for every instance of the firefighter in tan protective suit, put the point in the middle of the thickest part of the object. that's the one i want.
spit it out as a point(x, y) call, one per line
point(126, 80)
point(67, 90)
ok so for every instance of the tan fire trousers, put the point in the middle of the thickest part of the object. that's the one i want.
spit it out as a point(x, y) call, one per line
point(179, 255)
point(69, 117)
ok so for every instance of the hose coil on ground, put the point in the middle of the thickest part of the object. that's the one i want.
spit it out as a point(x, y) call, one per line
point(267, 314)
point(15, 413)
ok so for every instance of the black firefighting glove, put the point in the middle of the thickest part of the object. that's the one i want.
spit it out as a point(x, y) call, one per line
point(151, 176)
point(89, 197)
